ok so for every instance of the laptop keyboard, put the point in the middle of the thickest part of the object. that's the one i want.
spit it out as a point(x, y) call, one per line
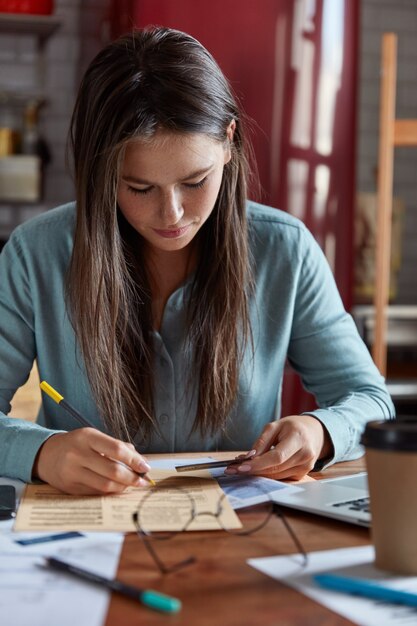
point(358, 504)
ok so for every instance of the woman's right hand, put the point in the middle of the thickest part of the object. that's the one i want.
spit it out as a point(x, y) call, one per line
point(86, 461)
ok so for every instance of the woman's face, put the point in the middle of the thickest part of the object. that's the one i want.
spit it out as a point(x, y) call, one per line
point(169, 185)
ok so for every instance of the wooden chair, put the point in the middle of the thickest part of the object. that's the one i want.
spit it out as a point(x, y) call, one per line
point(392, 133)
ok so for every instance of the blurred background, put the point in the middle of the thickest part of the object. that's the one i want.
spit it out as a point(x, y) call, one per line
point(306, 71)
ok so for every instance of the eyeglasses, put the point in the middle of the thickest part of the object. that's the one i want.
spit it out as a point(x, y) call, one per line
point(181, 510)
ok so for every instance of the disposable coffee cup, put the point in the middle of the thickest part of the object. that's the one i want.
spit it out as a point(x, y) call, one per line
point(391, 460)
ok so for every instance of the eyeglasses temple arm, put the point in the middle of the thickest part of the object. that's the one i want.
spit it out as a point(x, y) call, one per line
point(292, 534)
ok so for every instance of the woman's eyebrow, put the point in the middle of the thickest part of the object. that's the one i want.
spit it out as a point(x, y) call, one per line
point(142, 181)
point(199, 172)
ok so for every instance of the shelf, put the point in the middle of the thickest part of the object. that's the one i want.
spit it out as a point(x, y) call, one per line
point(401, 325)
point(41, 26)
point(15, 94)
point(403, 390)
point(403, 311)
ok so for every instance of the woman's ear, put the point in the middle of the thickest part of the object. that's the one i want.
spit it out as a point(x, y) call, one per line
point(230, 131)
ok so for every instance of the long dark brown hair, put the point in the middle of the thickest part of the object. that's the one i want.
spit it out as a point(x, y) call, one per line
point(148, 80)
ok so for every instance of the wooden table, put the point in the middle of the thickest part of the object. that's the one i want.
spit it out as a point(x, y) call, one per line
point(220, 589)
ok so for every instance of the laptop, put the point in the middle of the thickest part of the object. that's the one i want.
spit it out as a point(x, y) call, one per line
point(345, 498)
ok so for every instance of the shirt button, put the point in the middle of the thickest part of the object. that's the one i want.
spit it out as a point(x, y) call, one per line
point(163, 418)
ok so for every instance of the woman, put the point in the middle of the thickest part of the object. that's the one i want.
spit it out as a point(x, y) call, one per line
point(163, 304)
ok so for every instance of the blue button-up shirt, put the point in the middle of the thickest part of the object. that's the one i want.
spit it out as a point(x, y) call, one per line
point(295, 310)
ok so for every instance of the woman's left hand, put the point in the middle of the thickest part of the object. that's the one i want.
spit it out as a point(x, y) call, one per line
point(287, 449)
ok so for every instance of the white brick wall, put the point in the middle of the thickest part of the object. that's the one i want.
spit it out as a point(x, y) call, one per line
point(377, 17)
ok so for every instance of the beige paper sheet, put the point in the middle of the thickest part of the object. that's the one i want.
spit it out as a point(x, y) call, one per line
point(45, 508)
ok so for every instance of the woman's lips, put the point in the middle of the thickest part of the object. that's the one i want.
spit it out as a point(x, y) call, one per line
point(172, 233)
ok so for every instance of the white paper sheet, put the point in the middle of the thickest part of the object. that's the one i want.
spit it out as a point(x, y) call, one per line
point(245, 491)
point(352, 562)
point(33, 596)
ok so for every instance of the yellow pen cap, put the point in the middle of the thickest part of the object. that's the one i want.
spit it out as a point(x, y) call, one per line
point(51, 392)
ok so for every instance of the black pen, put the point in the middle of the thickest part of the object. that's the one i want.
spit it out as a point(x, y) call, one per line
point(56, 397)
point(208, 465)
point(148, 597)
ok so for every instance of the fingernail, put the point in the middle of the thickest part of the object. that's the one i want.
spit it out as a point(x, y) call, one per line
point(230, 470)
point(146, 467)
point(251, 453)
point(244, 468)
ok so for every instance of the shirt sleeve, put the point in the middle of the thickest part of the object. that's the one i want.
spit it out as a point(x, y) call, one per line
point(332, 360)
point(20, 440)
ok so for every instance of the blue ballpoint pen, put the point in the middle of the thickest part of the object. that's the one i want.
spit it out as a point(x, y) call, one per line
point(367, 588)
point(148, 597)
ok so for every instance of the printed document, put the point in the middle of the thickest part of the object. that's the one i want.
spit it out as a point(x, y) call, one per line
point(45, 508)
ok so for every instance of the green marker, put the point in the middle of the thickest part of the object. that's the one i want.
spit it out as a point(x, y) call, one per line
point(148, 597)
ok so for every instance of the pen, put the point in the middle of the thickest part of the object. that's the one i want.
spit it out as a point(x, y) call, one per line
point(148, 597)
point(53, 393)
point(366, 588)
point(198, 466)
